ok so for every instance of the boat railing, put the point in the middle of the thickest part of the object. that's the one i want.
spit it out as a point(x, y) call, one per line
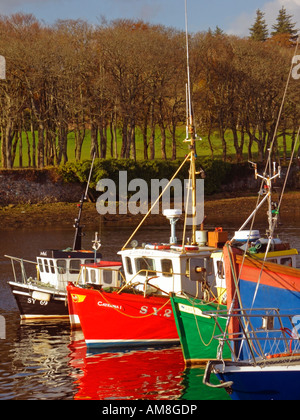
point(258, 334)
point(147, 274)
point(21, 262)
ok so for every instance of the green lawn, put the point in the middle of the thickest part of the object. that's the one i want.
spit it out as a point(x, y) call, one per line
point(203, 148)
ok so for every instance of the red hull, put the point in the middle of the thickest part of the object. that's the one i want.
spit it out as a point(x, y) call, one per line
point(109, 319)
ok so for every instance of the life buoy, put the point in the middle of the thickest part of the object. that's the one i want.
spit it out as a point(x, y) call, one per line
point(186, 248)
point(157, 246)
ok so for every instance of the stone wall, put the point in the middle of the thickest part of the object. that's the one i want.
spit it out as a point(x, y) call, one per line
point(36, 186)
point(23, 186)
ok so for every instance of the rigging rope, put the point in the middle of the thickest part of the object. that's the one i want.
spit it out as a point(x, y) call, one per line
point(132, 316)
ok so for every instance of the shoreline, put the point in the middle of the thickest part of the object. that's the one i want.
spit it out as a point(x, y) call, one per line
point(218, 211)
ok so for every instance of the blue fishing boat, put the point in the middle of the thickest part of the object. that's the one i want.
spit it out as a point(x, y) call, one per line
point(271, 370)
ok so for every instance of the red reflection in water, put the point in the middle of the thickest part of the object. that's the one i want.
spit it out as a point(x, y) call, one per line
point(137, 374)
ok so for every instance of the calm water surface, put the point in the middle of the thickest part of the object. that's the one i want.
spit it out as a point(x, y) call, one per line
point(46, 360)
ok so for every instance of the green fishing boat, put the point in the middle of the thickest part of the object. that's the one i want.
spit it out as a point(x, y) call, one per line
point(196, 330)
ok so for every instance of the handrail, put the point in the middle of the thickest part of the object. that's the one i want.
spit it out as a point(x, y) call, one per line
point(267, 333)
point(129, 282)
point(20, 260)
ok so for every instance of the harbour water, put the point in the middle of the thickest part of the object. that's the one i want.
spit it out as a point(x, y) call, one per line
point(49, 361)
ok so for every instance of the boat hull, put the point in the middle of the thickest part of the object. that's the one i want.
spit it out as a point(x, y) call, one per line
point(276, 381)
point(39, 303)
point(261, 284)
point(112, 319)
point(196, 330)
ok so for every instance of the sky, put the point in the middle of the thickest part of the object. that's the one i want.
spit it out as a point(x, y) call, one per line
point(232, 16)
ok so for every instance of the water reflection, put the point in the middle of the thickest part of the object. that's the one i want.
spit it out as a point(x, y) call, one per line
point(47, 361)
point(149, 374)
point(34, 362)
point(127, 375)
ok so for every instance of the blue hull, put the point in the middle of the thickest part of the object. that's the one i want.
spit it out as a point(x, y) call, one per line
point(269, 297)
point(263, 385)
point(288, 303)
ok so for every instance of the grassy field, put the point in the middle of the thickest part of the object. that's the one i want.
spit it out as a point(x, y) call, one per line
point(203, 147)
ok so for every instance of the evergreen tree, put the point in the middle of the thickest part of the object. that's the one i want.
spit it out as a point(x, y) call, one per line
point(284, 24)
point(259, 30)
point(218, 31)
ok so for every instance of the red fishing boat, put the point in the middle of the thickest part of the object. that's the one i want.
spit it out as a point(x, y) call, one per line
point(116, 319)
point(123, 319)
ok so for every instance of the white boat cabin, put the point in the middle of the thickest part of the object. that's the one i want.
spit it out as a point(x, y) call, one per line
point(56, 268)
point(105, 273)
point(168, 269)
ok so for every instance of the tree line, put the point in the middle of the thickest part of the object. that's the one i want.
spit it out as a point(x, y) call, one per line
point(121, 78)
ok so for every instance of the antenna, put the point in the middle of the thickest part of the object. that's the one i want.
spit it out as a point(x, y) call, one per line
point(191, 135)
point(189, 101)
point(78, 228)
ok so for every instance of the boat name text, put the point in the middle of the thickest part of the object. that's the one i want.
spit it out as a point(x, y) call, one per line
point(155, 311)
point(32, 301)
point(108, 305)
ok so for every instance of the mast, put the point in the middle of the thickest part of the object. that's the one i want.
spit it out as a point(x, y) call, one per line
point(78, 228)
point(191, 134)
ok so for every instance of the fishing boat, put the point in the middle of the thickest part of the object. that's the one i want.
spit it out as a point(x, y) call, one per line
point(264, 343)
point(196, 329)
point(39, 287)
point(256, 279)
point(271, 369)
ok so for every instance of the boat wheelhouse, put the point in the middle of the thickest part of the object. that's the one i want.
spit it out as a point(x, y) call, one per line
point(39, 287)
point(103, 274)
point(170, 270)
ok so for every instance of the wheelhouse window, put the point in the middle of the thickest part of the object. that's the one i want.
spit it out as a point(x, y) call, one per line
point(209, 265)
point(167, 268)
point(107, 276)
point(74, 266)
point(61, 266)
point(220, 267)
point(287, 261)
point(128, 265)
point(93, 276)
point(145, 265)
point(51, 263)
point(41, 267)
point(46, 266)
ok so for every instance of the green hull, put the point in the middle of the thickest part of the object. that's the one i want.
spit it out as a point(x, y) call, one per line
point(196, 331)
